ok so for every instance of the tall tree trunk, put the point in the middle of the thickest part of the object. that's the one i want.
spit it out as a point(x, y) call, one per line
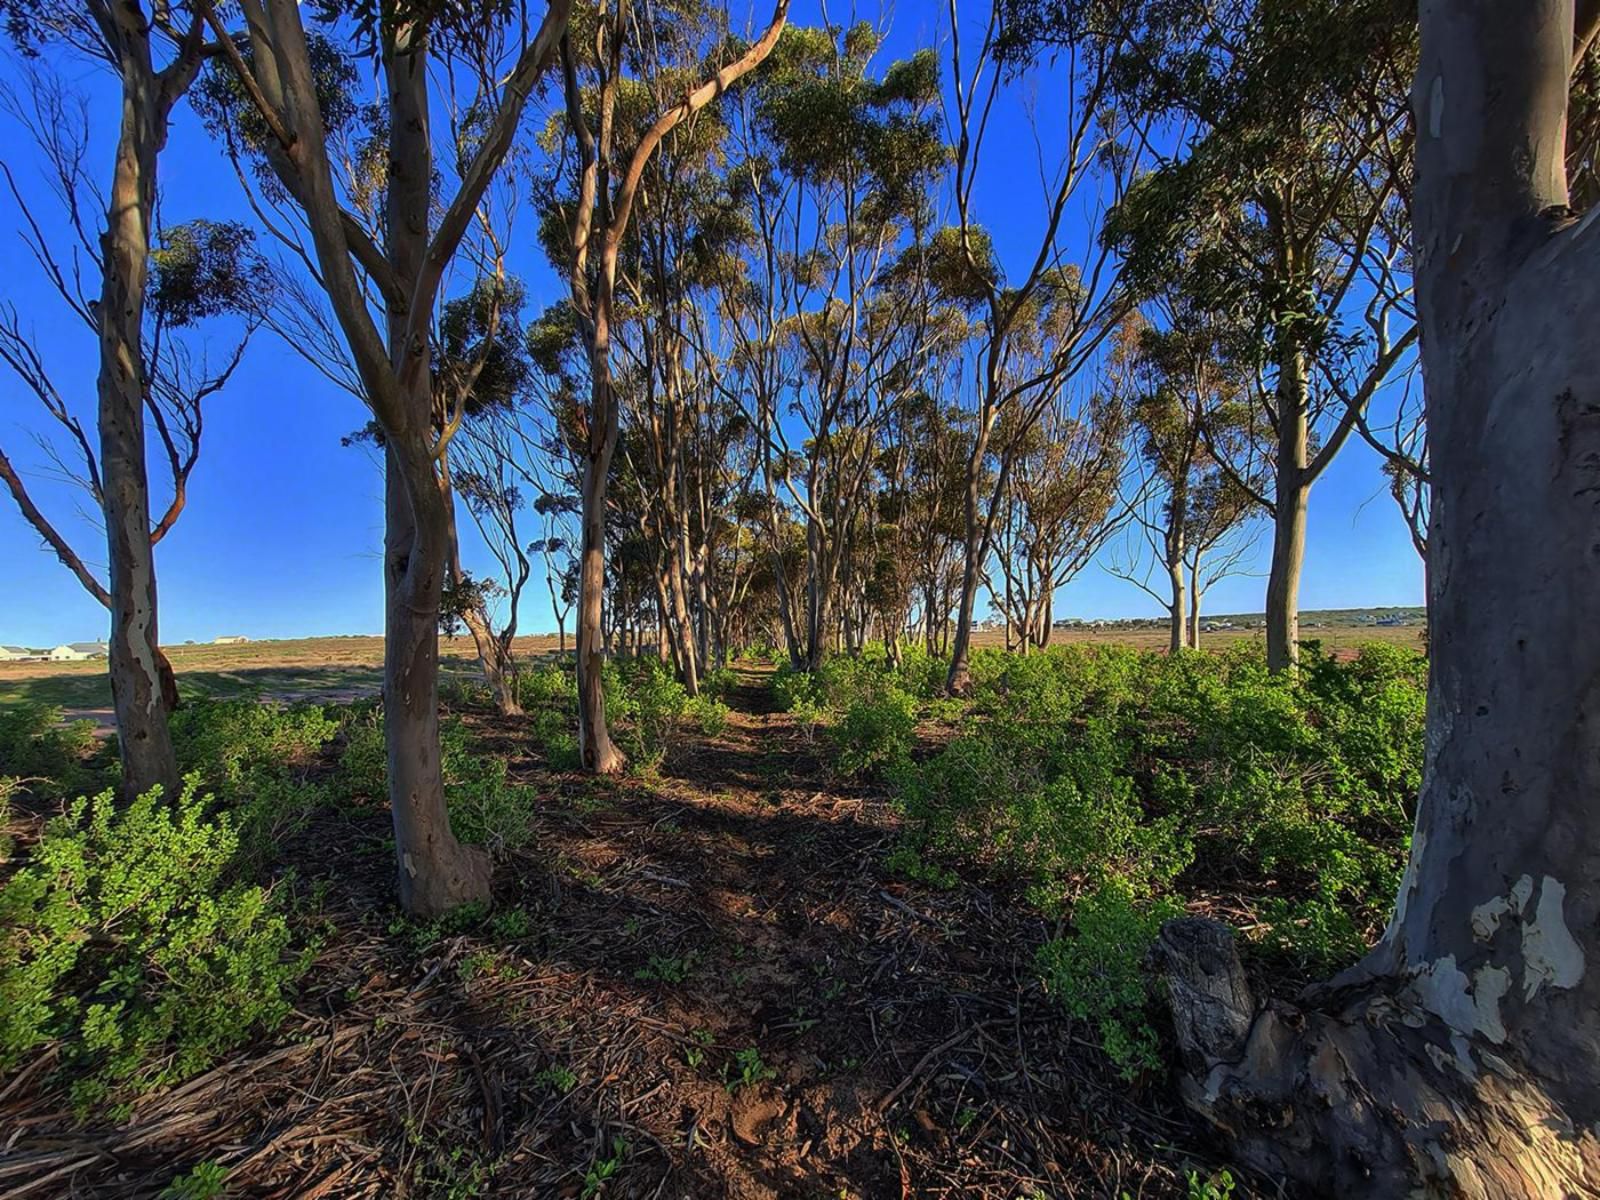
point(1292, 497)
point(1195, 596)
point(1459, 1058)
point(1178, 625)
point(437, 873)
point(144, 741)
point(600, 753)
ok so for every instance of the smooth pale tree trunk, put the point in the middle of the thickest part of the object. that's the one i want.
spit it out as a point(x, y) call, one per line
point(1195, 596)
point(1292, 498)
point(495, 661)
point(144, 741)
point(1460, 1058)
point(436, 872)
point(1178, 625)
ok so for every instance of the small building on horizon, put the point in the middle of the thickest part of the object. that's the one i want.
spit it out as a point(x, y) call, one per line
point(19, 654)
point(232, 639)
point(77, 652)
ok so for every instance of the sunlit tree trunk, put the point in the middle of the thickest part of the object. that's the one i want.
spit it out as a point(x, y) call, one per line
point(143, 739)
point(1460, 1057)
point(436, 872)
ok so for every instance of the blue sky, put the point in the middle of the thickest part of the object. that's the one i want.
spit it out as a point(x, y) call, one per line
point(283, 529)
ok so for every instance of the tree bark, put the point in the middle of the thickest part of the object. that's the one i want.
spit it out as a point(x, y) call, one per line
point(600, 753)
point(437, 873)
point(144, 741)
point(1460, 1057)
point(1292, 499)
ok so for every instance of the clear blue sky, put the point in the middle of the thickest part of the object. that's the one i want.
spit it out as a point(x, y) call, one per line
point(283, 529)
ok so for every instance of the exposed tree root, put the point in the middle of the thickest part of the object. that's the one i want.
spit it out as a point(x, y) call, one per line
point(1367, 1095)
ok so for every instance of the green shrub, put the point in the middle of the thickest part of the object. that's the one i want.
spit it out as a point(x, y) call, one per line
point(48, 757)
point(1097, 972)
point(225, 740)
point(484, 806)
point(1085, 769)
point(127, 939)
point(644, 703)
point(718, 683)
point(875, 731)
point(710, 715)
point(555, 733)
point(545, 686)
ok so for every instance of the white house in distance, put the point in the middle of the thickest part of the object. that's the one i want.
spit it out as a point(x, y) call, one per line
point(77, 652)
point(18, 654)
point(230, 640)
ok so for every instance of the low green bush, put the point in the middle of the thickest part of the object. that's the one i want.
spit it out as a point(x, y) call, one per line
point(708, 714)
point(875, 732)
point(1096, 972)
point(1136, 779)
point(128, 939)
point(225, 740)
point(484, 806)
point(47, 756)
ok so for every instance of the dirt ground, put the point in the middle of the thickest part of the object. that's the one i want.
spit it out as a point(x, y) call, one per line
point(702, 985)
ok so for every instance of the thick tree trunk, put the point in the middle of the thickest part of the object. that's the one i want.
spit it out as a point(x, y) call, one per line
point(1292, 497)
point(1459, 1059)
point(437, 873)
point(600, 754)
point(1178, 625)
point(143, 739)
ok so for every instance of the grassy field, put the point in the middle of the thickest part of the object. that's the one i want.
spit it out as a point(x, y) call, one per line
point(340, 668)
point(300, 668)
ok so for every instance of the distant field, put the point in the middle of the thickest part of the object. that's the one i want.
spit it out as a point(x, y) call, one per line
point(339, 668)
point(327, 668)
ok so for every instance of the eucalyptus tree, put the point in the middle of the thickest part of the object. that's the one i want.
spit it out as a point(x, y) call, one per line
point(1282, 205)
point(198, 271)
point(482, 372)
point(919, 500)
point(611, 166)
point(155, 52)
point(383, 291)
point(1044, 324)
point(1188, 394)
point(681, 431)
point(1459, 1057)
point(834, 320)
point(1060, 506)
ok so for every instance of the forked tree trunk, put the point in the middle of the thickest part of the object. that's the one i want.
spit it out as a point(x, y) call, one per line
point(436, 872)
point(144, 741)
point(1460, 1058)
